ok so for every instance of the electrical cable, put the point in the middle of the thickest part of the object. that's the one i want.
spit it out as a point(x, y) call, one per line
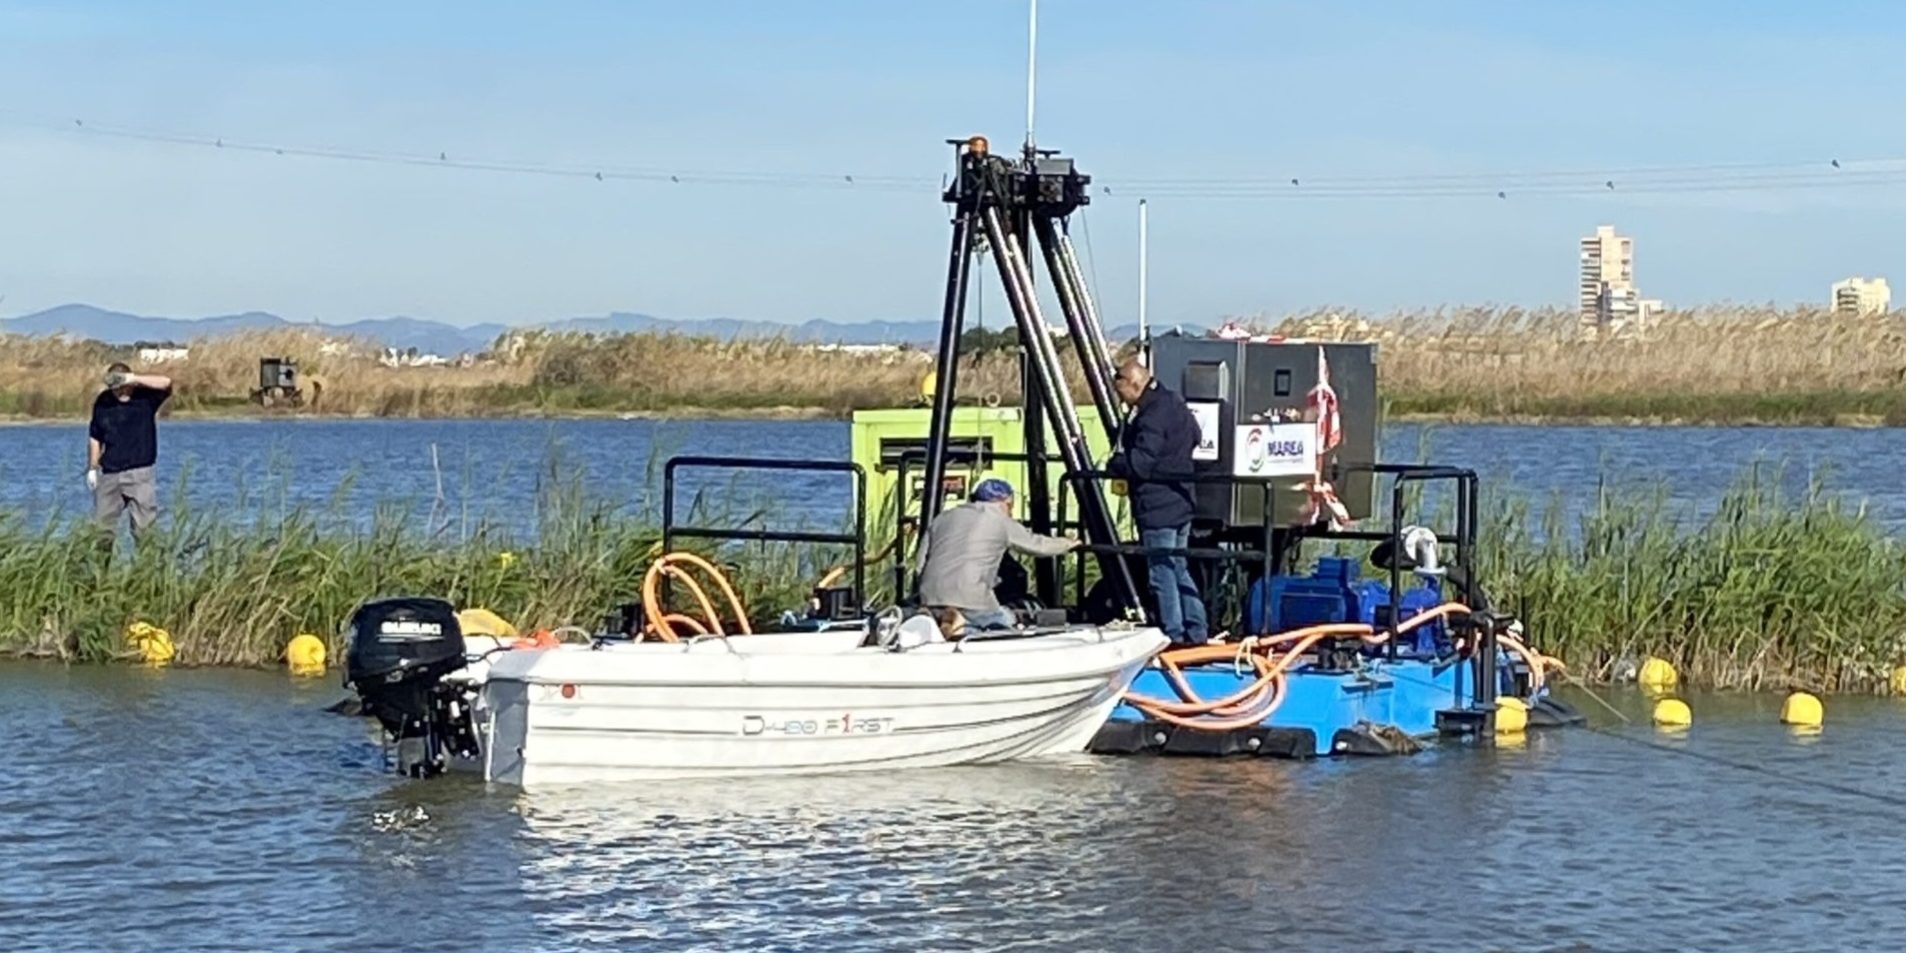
point(1696, 178)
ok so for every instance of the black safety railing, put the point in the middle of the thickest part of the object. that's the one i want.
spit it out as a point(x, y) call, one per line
point(1464, 538)
point(1265, 554)
point(857, 539)
point(1404, 474)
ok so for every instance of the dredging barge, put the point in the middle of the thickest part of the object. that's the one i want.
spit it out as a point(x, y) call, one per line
point(1326, 658)
point(1323, 660)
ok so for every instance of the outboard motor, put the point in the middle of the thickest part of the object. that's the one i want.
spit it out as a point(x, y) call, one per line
point(400, 650)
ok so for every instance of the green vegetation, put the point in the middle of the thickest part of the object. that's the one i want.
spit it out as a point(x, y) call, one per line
point(232, 586)
point(1764, 593)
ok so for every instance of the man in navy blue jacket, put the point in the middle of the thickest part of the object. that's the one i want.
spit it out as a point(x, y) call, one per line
point(1154, 459)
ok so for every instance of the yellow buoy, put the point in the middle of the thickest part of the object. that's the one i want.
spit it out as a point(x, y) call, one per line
point(1657, 675)
point(1512, 716)
point(1899, 679)
point(153, 644)
point(1673, 713)
point(485, 622)
point(1802, 711)
point(304, 655)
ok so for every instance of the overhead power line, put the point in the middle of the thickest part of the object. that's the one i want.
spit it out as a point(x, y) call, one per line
point(445, 160)
point(1770, 176)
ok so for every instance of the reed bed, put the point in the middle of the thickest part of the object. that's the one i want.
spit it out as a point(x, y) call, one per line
point(233, 585)
point(1769, 591)
point(531, 373)
point(1729, 364)
point(1724, 364)
point(1766, 592)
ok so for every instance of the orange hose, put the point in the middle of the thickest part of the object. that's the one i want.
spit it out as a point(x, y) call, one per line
point(721, 579)
point(661, 621)
point(676, 618)
point(701, 597)
point(1538, 663)
point(652, 603)
point(1172, 660)
point(1253, 717)
point(1255, 701)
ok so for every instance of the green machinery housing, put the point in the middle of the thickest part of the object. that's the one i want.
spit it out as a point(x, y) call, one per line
point(986, 442)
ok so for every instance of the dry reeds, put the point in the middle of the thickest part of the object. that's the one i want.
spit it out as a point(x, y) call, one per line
point(1715, 365)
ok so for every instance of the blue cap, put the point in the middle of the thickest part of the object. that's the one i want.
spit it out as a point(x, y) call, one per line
point(992, 491)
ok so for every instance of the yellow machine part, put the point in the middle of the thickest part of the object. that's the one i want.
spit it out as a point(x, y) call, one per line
point(879, 436)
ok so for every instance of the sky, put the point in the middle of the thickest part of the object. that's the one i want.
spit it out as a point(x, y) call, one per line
point(1137, 92)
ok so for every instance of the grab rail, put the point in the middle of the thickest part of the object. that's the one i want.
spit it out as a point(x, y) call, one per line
point(857, 539)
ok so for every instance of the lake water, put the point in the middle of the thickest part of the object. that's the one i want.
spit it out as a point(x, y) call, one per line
point(218, 810)
point(493, 468)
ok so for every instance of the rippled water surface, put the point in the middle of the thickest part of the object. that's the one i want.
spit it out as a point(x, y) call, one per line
point(225, 810)
point(494, 468)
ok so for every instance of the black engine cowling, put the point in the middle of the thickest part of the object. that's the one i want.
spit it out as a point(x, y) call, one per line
point(400, 650)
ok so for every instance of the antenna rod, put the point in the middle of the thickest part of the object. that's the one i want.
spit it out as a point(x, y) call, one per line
point(1144, 326)
point(1032, 58)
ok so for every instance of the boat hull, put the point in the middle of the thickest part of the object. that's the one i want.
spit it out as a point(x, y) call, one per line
point(799, 703)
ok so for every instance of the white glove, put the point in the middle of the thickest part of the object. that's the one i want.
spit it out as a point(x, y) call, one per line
point(92, 478)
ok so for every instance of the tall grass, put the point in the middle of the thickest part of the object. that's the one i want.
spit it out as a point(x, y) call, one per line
point(233, 586)
point(1727, 364)
point(1766, 591)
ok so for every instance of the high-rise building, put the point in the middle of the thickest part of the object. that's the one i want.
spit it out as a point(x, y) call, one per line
point(1861, 296)
point(1608, 293)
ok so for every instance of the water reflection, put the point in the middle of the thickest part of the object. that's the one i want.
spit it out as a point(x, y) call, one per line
point(204, 810)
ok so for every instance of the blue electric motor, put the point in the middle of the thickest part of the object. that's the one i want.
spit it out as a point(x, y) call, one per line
point(1335, 592)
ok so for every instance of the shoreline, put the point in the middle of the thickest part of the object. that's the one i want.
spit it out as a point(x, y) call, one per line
point(1779, 685)
point(217, 415)
point(1848, 421)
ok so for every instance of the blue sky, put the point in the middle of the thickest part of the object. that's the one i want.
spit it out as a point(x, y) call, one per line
point(1135, 91)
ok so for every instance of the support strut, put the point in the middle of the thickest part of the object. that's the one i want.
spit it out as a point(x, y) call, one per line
point(947, 370)
point(984, 193)
point(1080, 321)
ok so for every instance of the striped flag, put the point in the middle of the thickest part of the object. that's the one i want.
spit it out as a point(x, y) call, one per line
point(1323, 503)
point(1323, 401)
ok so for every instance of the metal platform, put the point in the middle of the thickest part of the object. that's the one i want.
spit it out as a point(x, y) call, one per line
point(1381, 708)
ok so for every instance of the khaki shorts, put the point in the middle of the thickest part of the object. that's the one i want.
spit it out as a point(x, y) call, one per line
point(135, 491)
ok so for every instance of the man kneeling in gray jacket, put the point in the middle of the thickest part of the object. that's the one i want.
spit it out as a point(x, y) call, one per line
point(961, 551)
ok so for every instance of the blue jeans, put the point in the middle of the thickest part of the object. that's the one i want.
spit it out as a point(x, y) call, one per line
point(1180, 610)
point(1001, 618)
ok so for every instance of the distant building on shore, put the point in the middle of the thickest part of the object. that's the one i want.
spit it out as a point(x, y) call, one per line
point(1862, 297)
point(1608, 296)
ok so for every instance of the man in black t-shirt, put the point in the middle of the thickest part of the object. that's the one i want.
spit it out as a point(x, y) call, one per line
point(122, 445)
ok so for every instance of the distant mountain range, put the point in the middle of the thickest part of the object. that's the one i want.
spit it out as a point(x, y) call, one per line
point(435, 337)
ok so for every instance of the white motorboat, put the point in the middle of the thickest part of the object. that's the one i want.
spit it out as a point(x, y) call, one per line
point(783, 703)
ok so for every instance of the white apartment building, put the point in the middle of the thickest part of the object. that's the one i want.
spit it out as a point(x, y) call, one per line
point(1863, 297)
point(1607, 292)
